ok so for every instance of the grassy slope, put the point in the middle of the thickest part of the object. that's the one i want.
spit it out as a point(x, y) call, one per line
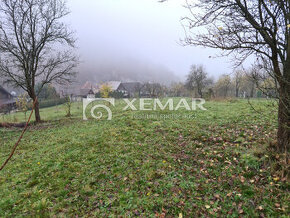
point(204, 164)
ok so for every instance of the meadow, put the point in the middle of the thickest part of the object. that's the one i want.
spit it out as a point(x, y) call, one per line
point(181, 163)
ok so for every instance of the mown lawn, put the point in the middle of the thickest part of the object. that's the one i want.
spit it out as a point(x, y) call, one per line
point(192, 163)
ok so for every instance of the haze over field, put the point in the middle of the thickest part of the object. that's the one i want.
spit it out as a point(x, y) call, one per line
point(136, 40)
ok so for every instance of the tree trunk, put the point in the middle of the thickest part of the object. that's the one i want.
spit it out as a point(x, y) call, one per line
point(283, 128)
point(200, 93)
point(36, 109)
point(283, 134)
point(252, 92)
point(237, 92)
point(36, 112)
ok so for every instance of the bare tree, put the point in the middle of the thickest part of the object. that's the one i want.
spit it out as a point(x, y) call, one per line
point(197, 79)
point(238, 76)
point(35, 45)
point(223, 85)
point(244, 28)
point(153, 90)
point(264, 81)
point(178, 89)
point(251, 83)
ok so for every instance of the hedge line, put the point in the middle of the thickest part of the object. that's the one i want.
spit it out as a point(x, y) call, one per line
point(50, 103)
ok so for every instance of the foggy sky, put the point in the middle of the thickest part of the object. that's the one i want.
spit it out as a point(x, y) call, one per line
point(121, 31)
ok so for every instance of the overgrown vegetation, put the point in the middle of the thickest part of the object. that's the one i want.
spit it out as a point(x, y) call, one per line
point(22, 104)
point(105, 91)
point(212, 163)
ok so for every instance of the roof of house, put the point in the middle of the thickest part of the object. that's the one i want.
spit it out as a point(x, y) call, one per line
point(84, 92)
point(132, 86)
point(114, 85)
point(88, 88)
point(89, 85)
point(4, 91)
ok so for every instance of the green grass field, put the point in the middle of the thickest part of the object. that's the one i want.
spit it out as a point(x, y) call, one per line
point(190, 163)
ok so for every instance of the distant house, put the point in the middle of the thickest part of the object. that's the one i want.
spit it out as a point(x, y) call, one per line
point(88, 89)
point(131, 89)
point(7, 102)
point(127, 89)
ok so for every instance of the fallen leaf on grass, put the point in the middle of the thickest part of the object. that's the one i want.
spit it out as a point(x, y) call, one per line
point(217, 196)
point(242, 179)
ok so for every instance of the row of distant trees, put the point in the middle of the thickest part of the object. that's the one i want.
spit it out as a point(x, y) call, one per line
point(241, 84)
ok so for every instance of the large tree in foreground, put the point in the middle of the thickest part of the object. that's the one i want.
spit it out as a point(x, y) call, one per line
point(35, 45)
point(245, 28)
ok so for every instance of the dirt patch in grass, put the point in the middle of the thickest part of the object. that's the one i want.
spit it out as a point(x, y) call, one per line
point(12, 125)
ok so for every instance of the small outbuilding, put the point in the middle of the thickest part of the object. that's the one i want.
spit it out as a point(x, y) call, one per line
point(7, 102)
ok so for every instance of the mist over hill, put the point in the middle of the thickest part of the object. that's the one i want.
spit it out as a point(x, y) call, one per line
point(127, 69)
